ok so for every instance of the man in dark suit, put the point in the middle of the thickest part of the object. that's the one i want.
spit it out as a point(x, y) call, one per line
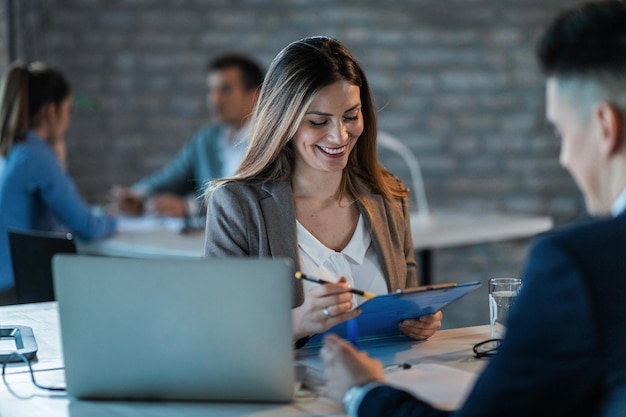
point(564, 353)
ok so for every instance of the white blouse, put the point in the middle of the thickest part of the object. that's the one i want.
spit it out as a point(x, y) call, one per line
point(357, 262)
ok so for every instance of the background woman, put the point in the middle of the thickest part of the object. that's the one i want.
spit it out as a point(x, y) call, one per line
point(311, 189)
point(35, 190)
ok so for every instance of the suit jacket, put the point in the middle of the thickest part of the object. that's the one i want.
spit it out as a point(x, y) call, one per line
point(260, 220)
point(564, 353)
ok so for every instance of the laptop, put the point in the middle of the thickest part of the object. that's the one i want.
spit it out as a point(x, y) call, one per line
point(176, 329)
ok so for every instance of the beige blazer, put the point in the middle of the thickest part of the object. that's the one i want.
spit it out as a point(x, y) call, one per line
point(259, 220)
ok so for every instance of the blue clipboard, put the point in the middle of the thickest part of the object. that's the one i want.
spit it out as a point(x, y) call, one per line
point(380, 316)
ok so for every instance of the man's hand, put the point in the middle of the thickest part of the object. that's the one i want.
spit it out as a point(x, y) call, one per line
point(125, 201)
point(347, 367)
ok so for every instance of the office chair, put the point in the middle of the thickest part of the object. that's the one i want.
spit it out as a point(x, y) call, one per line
point(393, 144)
point(31, 255)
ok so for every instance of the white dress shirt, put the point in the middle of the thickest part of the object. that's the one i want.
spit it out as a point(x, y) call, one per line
point(358, 262)
point(233, 150)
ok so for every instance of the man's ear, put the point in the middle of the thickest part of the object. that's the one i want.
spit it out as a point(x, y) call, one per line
point(611, 124)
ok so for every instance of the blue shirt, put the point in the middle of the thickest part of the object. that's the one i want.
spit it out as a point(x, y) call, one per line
point(206, 156)
point(35, 194)
point(199, 161)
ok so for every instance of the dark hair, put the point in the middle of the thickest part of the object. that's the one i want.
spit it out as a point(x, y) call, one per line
point(588, 38)
point(25, 91)
point(251, 73)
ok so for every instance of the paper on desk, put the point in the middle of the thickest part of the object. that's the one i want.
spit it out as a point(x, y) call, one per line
point(149, 223)
point(441, 386)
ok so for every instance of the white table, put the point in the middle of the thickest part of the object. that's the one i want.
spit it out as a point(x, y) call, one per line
point(161, 238)
point(148, 244)
point(149, 237)
point(448, 229)
point(448, 349)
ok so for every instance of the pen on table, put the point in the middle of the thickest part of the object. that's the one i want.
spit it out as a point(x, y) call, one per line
point(364, 294)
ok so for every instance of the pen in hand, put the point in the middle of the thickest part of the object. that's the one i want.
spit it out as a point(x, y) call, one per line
point(364, 294)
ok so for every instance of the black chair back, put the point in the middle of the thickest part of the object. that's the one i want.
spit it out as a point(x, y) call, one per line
point(31, 255)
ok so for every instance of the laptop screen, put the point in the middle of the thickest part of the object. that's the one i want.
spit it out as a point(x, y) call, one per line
point(176, 329)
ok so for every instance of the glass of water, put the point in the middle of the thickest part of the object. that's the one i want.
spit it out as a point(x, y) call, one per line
point(502, 295)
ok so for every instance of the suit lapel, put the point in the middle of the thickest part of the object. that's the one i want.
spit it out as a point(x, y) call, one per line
point(279, 215)
point(373, 210)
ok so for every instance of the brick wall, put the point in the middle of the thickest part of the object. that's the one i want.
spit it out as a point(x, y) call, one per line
point(456, 80)
point(4, 46)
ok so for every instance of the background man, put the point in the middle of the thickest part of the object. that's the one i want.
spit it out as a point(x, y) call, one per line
point(564, 351)
point(214, 151)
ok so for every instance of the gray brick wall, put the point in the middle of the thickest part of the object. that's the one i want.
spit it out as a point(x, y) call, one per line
point(4, 46)
point(456, 80)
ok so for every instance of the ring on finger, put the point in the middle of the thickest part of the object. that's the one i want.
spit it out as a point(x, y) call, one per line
point(326, 312)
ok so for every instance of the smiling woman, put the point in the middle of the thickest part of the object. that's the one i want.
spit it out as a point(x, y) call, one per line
point(329, 129)
point(311, 189)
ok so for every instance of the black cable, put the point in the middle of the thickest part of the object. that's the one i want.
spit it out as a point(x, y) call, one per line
point(30, 368)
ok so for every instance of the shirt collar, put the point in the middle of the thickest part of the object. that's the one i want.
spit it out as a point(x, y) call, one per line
point(360, 242)
point(355, 250)
point(619, 205)
point(240, 137)
point(311, 246)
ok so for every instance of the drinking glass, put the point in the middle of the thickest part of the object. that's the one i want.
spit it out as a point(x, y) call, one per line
point(502, 295)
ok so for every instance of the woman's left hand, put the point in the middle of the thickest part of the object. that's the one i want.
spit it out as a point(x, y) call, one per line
point(422, 327)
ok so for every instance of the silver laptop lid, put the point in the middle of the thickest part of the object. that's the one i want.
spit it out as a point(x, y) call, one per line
point(177, 329)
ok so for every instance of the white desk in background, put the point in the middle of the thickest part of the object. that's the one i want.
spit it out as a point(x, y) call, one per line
point(441, 229)
point(152, 237)
point(147, 237)
point(447, 353)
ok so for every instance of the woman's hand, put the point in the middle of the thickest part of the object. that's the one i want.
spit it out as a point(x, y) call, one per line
point(166, 204)
point(60, 150)
point(324, 306)
point(347, 367)
point(423, 327)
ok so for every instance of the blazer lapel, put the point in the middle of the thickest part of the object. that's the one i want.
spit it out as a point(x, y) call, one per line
point(279, 215)
point(372, 208)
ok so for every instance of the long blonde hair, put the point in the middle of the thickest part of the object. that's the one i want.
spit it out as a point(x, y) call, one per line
point(297, 73)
